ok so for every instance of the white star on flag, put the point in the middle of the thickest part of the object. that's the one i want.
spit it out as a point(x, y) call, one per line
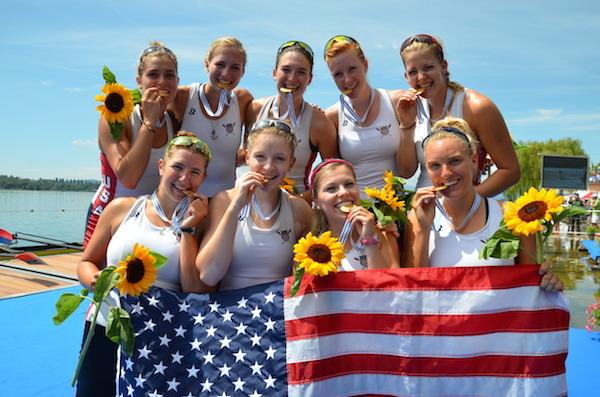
point(256, 312)
point(270, 382)
point(207, 385)
point(208, 358)
point(256, 367)
point(239, 384)
point(269, 297)
point(199, 318)
point(184, 306)
point(241, 328)
point(227, 316)
point(167, 316)
point(173, 384)
point(242, 302)
point(177, 357)
point(192, 372)
point(270, 325)
point(164, 340)
point(255, 339)
point(224, 370)
point(225, 342)
point(152, 301)
point(160, 368)
point(214, 307)
point(195, 344)
point(144, 351)
point(270, 352)
point(180, 331)
point(239, 356)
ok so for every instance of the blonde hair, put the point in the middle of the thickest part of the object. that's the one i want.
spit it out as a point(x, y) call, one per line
point(438, 131)
point(339, 47)
point(288, 137)
point(156, 49)
point(225, 42)
point(437, 50)
point(320, 223)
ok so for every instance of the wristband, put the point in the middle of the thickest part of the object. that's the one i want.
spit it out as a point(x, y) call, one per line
point(409, 127)
point(364, 242)
point(187, 230)
point(149, 126)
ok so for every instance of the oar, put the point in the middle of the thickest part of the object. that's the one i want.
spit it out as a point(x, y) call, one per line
point(41, 239)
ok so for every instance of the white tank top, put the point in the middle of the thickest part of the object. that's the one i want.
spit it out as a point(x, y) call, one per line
point(423, 128)
point(223, 136)
point(371, 149)
point(136, 228)
point(150, 178)
point(304, 154)
point(448, 248)
point(261, 255)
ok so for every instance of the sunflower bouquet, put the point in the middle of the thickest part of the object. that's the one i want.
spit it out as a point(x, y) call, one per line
point(317, 256)
point(134, 275)
point(534, 213)
point(388, 203)
point(117, 103)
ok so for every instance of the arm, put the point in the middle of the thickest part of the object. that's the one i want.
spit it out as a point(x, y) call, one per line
point(332, 114)
point(405, 103)
point(486, 120)
point(248, 114)
point(93, 259)
point(216, 249)
point(323, 135)
point(129, 160)
point(181, 99)
point(418, 228)
point(188, 249)
point(303, 215)
point(381, 255)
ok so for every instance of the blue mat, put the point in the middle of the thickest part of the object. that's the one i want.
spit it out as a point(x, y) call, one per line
point(38, 358)
point(592, 248)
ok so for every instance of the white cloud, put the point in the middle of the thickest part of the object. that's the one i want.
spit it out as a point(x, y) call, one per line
point(84, 142)
point(46, 82)
point(73, 89)
point(539, 116)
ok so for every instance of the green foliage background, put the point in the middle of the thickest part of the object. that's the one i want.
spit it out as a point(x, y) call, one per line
point(57, 184)
point(530, 161)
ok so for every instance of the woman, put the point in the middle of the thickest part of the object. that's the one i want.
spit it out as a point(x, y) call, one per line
point(433, 97)
point(336, 195)
point(215, 111)
point(314, 132)
point(264, 220)
point(450, 221)
point(148, 221)
point(129, 163)
point(365, 119)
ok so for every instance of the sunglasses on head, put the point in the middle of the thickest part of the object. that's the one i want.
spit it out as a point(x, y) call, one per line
point(452, 130)
point(339, 39)
point(192, 141)
point(297, 43)
point(421, 38)
point(264, 123)
point(155, 48)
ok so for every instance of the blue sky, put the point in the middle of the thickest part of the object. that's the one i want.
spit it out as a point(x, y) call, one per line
point(538, 60)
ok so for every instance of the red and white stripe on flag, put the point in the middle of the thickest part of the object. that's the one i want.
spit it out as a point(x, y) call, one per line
point(462, 331)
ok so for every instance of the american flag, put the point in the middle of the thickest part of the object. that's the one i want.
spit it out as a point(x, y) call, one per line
point(478, 331)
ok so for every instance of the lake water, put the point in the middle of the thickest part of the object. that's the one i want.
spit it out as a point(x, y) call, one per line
point(61, 215)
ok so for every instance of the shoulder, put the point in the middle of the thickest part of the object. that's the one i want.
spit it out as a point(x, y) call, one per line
point(301, 209)
point(476, 102)
point(395, 94)
point(332, 112)
point(118, 208)
point(244, 96)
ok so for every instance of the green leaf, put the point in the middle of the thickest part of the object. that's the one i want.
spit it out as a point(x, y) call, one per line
point(298, 274)
point(115, 130)
point(502, 244)
point(137, 96)
point(569, 212)
point(119, 329)
point(108, 76)
point(106, 281)
point(160, 260)
point(66, 305)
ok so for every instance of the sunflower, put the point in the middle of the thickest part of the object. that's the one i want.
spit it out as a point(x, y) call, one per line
point(526, 215)
point(117, 103)
point(388, 178)
point(386, 195)
point(319, 256)
point(137, 271)
point(289, 186)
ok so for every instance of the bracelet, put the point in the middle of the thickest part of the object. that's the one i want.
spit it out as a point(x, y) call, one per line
point(149, 126)
point(373, 240)
point(187, 230)
point(364, 242)
point(410, 127)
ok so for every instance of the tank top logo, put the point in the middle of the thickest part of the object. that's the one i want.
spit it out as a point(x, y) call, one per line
point(192, 111)
point(285, 235)
point(229, 128)
point(363, 261)
point(385, 130)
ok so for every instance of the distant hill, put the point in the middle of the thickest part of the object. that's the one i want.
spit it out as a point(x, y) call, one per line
point(59, 184)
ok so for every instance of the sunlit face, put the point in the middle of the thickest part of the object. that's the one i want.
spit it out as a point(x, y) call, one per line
point(182, 170)
point(449, 163)
point(425, 71)
point(271, 156)
point(349, 72)
point(293, 72)
point(226, 67)
point(159, 72)
point(336, 187)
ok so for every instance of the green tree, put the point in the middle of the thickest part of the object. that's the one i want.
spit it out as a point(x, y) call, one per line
point(530, 161)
